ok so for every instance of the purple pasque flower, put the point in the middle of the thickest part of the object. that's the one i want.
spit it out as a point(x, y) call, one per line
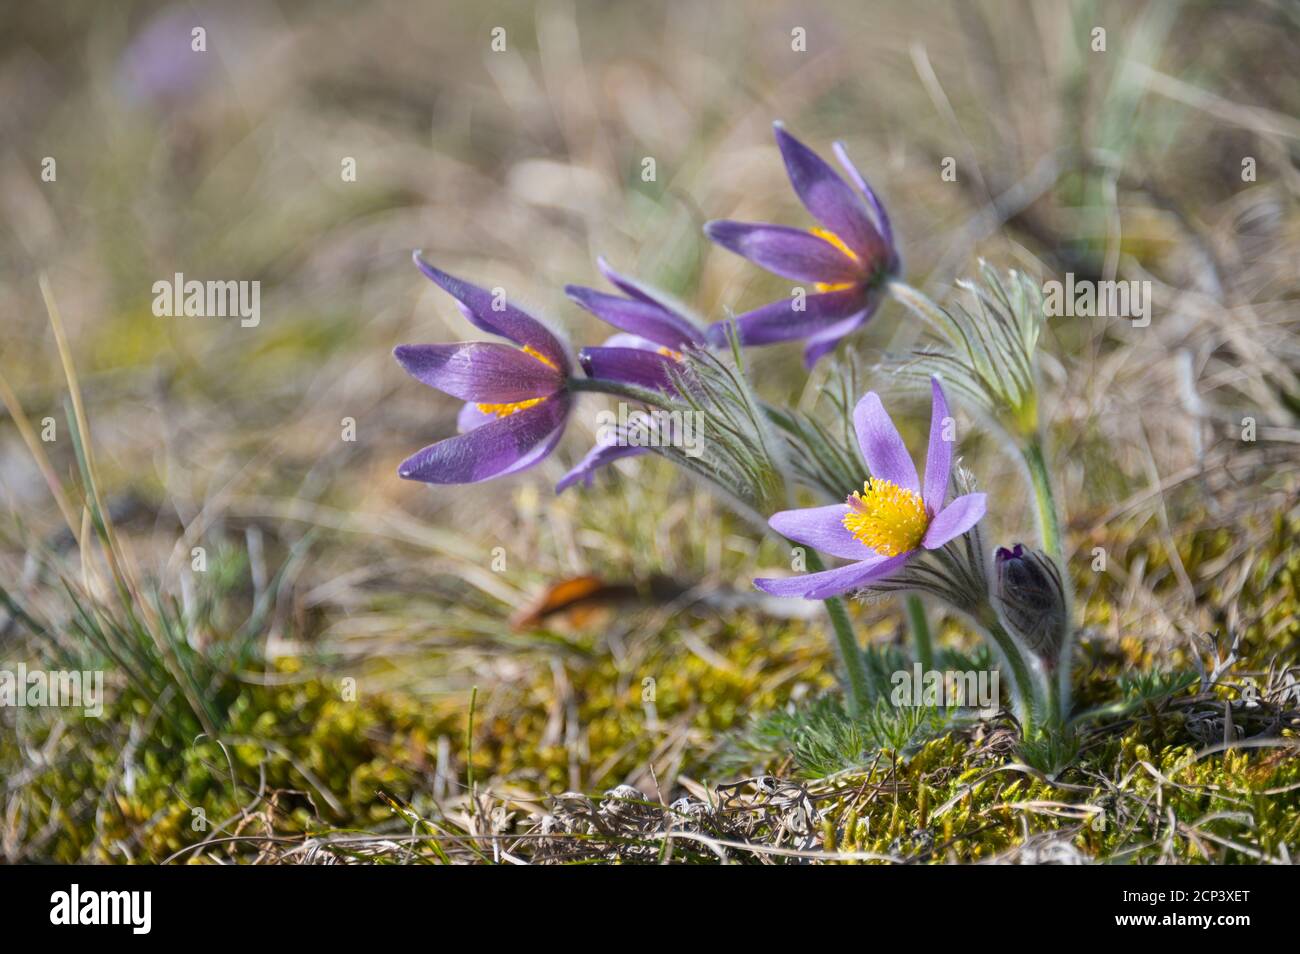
point(847, 257)
point(891, 520)
point(653, 332)
point(517, 401)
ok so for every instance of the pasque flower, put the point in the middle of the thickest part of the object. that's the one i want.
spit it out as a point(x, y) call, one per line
point(1032, 599)
point(892, 519)
point(847, 257)
point(517, 401)
point(653, 333)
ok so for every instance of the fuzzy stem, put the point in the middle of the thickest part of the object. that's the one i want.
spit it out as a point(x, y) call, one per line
point(920, 628)
point(1026, 695)
point(1055, 716)
point(859, 694)
point(618, 389)
point(1048, 520)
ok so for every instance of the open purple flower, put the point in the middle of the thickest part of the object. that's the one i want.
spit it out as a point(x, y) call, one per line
point(653, 332)
point(891, 520)
point(847, 257)
point(517, 400)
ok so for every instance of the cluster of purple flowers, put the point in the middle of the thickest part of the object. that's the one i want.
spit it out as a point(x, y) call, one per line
point(898, 532)
point(519, 395)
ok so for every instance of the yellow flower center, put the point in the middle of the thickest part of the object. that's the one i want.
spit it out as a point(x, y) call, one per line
point(670, 353)
point(505, 410)
point(829, 236)
point(886, 517)
point(514, 407)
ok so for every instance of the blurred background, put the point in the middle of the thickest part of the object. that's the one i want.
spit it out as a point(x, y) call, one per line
point(516, 167)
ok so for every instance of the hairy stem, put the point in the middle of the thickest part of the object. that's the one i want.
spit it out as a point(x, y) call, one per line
point(855, 670)
point(618, 389)
point(920, 627)
point(1049, 521)
point(1026, 688)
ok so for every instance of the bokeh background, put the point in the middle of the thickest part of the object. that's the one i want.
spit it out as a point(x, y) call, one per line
point(517, 168)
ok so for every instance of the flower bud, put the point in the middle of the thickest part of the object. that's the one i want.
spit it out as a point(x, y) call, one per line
point(1031, 599)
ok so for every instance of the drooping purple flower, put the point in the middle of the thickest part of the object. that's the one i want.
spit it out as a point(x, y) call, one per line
point(847, 257)
point(653, 333)
point(894, 517)
point(517, 402)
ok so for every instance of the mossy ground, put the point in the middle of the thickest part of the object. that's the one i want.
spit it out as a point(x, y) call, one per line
point(336, 752)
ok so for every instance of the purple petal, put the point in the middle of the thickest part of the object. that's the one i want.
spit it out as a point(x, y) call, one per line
point(479, 371)
point(790, 253)
point(625, 340)
point(647, 369)
point(597, 457)
point(648, 294)
point(821, 528)
point(828, 583)
point(884, 450)
point(882, 217)
point(938, 459)
point(954, 520)
point(636, 317)
point(494, 449)
point(499, 317)
point(824, 342)
point(471, 417)
point(629, 287)
point(829, 198)
point(652, 296)
point(779, 321)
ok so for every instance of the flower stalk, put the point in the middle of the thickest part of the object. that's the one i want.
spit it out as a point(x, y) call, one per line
point(846, 641)
point(1049, 523)
point(922, 642)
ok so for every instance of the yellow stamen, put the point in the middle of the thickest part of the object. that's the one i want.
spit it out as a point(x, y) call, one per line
point(533, 352)
point(887, 518)
point(839, 243)
point(670, 353)
point(514, 407)
point(505, 410)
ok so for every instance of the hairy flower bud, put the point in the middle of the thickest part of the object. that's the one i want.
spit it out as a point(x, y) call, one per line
point(1031, 598)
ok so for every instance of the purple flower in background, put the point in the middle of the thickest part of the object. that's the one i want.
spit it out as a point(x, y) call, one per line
point(517, 400)
point(653, 332)
point(893, 518)
point(847, 257)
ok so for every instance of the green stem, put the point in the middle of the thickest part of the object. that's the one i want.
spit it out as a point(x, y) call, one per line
point(859, 694)
point(920, 628)
point(1026, 695)
point(629, 391)
point(1055, 715)
point(1049, 522)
